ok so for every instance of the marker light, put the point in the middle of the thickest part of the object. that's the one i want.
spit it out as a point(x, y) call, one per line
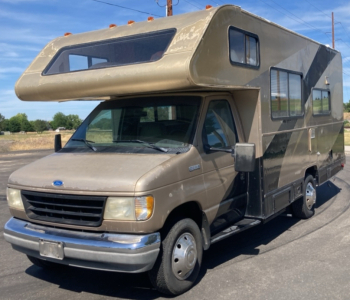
point(67, 34)
point(144, 207)
point(208, 7)
point(131, 22)
point(112, 25)
point(14, 198)
point(150, 19)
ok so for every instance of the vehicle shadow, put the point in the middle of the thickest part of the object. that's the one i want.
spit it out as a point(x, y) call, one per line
point(138, 286)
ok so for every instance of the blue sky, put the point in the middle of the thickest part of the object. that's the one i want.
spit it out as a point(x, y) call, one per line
point(26, 26)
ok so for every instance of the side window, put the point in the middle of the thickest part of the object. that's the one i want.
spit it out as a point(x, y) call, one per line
point(219, 130)
point(286, 96)
point(244, 47)
point(320, 102)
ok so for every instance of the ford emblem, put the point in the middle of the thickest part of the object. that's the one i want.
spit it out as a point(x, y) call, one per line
point(57, 183)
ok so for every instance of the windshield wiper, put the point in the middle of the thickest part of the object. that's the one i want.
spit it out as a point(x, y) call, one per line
point(142, 142)
point(87, 143)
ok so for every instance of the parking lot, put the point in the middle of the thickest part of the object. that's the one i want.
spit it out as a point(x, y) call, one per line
point(283, 259)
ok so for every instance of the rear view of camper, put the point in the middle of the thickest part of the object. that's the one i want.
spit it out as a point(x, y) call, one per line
point(211, 123)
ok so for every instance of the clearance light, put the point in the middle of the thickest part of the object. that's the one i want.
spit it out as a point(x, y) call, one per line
point(208, 7)
point(67, 34)
point(112, 25)
point(150, 19)
point(131, 22)
point(342, 165)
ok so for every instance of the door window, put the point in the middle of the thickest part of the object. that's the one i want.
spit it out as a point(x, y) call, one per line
point(219, 130)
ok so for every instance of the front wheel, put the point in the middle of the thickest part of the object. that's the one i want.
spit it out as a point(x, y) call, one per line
point(179, 260)
point(304, 207)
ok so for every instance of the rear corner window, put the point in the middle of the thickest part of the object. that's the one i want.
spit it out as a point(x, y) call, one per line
point(320, 102)
point(244, 48)
point(122, 51)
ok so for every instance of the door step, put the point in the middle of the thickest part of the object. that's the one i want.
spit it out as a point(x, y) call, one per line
point(236, 228)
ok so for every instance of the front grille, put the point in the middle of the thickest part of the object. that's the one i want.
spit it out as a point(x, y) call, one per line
point(65, 209)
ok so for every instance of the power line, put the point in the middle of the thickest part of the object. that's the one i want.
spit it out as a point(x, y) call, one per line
point(192, 4)
point(139, 11)
point(299, 18)
point(318, 9)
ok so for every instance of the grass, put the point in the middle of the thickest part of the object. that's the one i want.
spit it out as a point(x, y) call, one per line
point(31, 141)
point(347, 138)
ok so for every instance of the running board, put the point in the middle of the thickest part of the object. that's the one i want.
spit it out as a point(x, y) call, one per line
point(238, 227)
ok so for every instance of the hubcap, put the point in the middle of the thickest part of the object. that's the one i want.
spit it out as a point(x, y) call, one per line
point(310, 195)
point(184, 256)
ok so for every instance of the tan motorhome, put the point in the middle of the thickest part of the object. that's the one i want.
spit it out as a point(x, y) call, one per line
point(213, 122)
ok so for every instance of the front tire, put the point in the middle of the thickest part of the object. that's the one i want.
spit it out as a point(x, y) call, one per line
point(304, 207)
point(179, 261)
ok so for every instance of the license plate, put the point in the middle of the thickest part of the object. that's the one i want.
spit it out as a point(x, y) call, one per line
point(51, 249)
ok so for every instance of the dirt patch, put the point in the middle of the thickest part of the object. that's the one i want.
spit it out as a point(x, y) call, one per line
point(347, 116)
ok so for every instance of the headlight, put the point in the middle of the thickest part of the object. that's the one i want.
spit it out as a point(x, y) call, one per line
point(129, 208)
point(14, 198)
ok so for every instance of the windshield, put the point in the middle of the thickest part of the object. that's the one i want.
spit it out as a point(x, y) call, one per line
point(139, 125)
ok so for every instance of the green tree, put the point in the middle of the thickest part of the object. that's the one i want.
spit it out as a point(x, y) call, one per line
point(73, 121)
point(346, 106)
point(14, 125)
point(39, 126)
point(2, 119)
point(59, 120)
point(23, 122)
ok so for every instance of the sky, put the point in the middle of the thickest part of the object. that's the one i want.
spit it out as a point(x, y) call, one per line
point(26, 26)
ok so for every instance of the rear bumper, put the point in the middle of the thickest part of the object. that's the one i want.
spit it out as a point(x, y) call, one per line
point(103, 251)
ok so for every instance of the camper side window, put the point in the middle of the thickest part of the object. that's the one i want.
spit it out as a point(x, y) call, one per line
point(219, 130)
point(244, 47)
point(286, 95)
point(320, 102)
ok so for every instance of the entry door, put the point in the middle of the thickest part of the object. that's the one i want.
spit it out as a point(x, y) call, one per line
point(226, 189)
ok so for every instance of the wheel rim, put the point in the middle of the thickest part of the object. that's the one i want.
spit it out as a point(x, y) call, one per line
point(310, 195)
point(184, 256)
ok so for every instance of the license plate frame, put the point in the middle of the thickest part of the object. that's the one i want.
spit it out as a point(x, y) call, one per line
point(51, 249)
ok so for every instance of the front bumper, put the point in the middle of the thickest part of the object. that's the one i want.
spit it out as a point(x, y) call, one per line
point(102, 251)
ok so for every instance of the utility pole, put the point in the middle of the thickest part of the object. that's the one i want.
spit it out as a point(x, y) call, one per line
point(169, 8)
point(333, 31)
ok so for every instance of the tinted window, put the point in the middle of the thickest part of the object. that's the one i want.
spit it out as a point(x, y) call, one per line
point(219, 130)
point(244, 47)
point(110, 53)
point(320, 102)
point(285, 94)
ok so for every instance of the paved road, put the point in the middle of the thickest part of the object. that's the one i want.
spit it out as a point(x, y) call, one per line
point(284, 259)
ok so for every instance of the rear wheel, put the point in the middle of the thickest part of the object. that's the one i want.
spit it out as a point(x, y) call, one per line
point(179, 260)
point(44, 264)
point(304, 207)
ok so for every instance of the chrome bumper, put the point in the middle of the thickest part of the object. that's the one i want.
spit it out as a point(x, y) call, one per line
point(103, 251)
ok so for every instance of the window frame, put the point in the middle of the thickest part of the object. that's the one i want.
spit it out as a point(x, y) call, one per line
point(289, 117)
point(329, 102)
point(246, 33)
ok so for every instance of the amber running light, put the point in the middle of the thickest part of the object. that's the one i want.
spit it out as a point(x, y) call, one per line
point(150, 19)
point(208, 7)
point(131, 22)
point(112, 25)
point(67, 34)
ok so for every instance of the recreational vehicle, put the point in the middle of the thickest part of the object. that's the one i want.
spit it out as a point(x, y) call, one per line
point(210, 123)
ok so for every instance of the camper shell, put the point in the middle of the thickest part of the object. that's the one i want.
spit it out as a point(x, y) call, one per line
point(276, 99)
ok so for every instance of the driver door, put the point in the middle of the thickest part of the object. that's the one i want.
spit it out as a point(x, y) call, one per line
point(226, 188)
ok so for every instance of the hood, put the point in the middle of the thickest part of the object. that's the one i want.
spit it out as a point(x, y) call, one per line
point(86, 172)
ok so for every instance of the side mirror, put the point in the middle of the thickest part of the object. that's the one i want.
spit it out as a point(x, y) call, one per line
point(58, 142)
point(244, 155)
